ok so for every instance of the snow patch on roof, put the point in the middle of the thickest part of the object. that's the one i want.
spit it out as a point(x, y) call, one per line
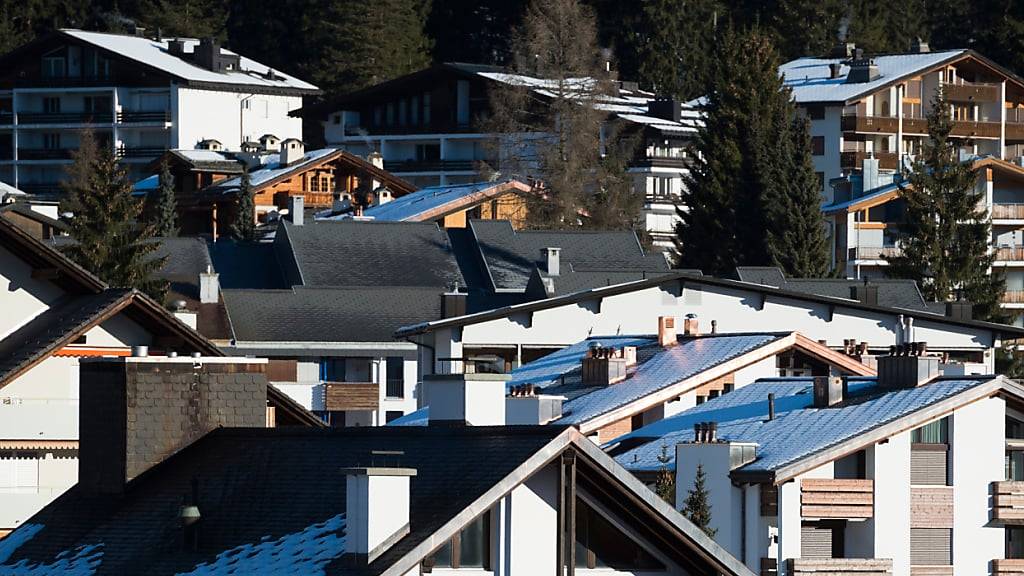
point(83, 561)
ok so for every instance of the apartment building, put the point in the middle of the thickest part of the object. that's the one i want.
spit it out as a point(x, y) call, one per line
point(212, 493)
point(863, 107)
point(910, 472)
point(867, 225)
point(430, 128)
point(140, 96)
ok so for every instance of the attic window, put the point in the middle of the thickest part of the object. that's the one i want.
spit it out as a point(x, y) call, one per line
point(599, 544)
point(469, 548)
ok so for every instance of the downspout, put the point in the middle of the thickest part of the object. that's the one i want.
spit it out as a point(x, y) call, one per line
point(241, 121)
point(780, 562)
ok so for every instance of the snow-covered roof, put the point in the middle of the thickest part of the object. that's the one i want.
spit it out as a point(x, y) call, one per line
point(8, 190)
point(272, 169)
point(435, 200)
point(810, 78)
point(154, 53)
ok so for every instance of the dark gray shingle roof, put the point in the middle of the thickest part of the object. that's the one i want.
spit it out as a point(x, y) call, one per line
point(894, 293)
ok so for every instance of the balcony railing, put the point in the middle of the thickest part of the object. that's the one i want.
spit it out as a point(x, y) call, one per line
point(130, 117)
point(1008, 502)
point(663, 162)
point(873, 252)
point(65, 117)
point(1012, 297)
point(971, 91)
point(913, 125)
point(351, 396)
point(45, 189)
point(970, 128)
point(839, 567)
point(837, 498)
point(1007, 567)
point(1010, 254)
point(139, 152)
point(431, 165)
point(1014, 130)
point(6, 117)
point(44, 153)
point(1008, 211)
point(869, 124)
point(853, 160)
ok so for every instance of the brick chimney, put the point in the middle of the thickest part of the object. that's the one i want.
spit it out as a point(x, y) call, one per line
point(137, 411)
point(376, 507)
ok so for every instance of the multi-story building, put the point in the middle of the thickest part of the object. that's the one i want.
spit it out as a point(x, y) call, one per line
point(140, 96)
point(910, 472)
point(430, 128)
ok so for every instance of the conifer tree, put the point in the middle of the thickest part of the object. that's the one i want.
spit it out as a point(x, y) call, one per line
point(665, 485)
point(807, 27)
point(696, 507)
point(110, 239)
point(945, 233)
point(166, 212)
point(675, 40)
point(886, 26)
point(244, 226)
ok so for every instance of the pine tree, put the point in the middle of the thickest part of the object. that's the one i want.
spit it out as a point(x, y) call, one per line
point(110, 240)
point(473, 30)
point(749, 197)
point(886, 26)
point(807, 27)
point(675, 40)
point(244, 226)
point(696, 507)
point(665, 485)
point(945, 235)
point(166, 212)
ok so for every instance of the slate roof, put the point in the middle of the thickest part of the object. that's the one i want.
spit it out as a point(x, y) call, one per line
point(186, 259)
point(810, 80)
point(892, 292)
point(799, 430)
point(24, 209)
point(435, 201)
point(352, 253)
point(512, 255)
point(251, 74)
point(657, 368)
point(304, 314)
point(254, 518)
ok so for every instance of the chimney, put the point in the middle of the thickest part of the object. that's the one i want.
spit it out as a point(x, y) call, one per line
point(862, 69)
point(181, 312)
point(137, 411)
point(296, 209)
point(176, 47)
point(907, 366)
point(376, 159)
point(665, 108)
point(843, 50)
point(466, 399)
point(554, 260)
point(835, 70)
point(865, 293)
point(207, 54)
point(869, 174)
point(604, 366)
point(382, 195)
point(209, 286)
point(717, 459)
point(292, 150)
point(524, 406)
point(667, 331)
point(691, 325)
point(919, 46)
point(828, 391)
point(771, 406)
point(270, 143)
point(453, 303)
point(377, 500)
point(960, 310)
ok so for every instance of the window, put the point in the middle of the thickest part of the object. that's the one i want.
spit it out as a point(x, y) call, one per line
point(54, 67)
point(1014, 542)
point(470, 548)
point(336, 119)
point(378, 116)
point(332, 369)
point(818, 145)
point(935, 433)
point(1014, 465)
point(314, 184)
point(395, 367)
point(403, 112)
point(823, 539)
point(51, 141)
point(392, 415)
point(426, 109)
point(414, 111)
point(1014, 428)
point(929, 454)
point(701, 399)
point(51, 105)
point(931, 546)
point(391, 114)
point(816, 112)
point(599, 544)
point(428, 152)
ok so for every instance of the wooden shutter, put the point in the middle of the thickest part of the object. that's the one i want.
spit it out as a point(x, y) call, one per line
point(931, 546)
point(815, 541)
point(282, 370)
point(928, 466)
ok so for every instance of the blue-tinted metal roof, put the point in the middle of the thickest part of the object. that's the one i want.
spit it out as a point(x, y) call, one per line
point(657, 368)
point(410, 206)
point(798, 430)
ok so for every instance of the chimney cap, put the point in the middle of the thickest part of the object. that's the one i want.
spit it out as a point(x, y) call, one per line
point(377, 471)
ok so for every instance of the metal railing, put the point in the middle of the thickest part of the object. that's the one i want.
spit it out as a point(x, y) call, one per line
point(139, 152)
point(44, 153)
point(430, 165)
point(130, 117)
point(65, 117)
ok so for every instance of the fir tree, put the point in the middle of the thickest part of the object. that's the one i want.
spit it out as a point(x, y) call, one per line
point(749, 196)
point(807, 27)
point(944, 235)
point(665, 485)
point(886, 26)
point(166, 212)
point(696, 507)
point(244, 226)
point(110, 239)
point(675, 39)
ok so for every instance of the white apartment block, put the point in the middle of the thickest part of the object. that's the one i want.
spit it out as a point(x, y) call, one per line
point(139, 96)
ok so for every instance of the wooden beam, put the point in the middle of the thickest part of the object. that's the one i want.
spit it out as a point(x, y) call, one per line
point(45, 273)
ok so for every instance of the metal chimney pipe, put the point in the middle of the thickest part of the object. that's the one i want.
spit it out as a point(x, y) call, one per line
point(771, 406)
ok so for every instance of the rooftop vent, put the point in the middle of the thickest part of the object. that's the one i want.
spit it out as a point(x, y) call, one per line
point(605, 366)
point(907, 366)
point(270, 142)
point(209, 55)
point(862, 69)
point(553, 260)
point(476, 399)
point(691, 325)
point(210, 144)
point(453, 303)
point(296, 209)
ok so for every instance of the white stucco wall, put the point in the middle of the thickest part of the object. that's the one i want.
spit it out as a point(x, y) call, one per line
point(230, 117)
point(21, 296)
point(978, 440)
point(532, 525)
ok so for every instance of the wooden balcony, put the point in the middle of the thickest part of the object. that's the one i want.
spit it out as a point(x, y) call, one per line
point(839, 567)
point(970, 129)
point(915, 125)
point(1010, 254)
point(1012, 297)
point(931, 571)
point(1008, 502)
point(1014, 130)
point(869, 124)
point(971, 92)
point(837, 498)
point(1008, 567)
point(351, 396)
point(1008, 211)
point(873, 252)
point(855, 160)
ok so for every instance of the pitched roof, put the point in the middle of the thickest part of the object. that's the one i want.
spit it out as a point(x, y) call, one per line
point(25, 210)
point(352, 253)
point(512, 255)
point(799, 431)
point(437, 201)
point(41, 256)
point(251, 75)
point(892, 292)
point(303, 314)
